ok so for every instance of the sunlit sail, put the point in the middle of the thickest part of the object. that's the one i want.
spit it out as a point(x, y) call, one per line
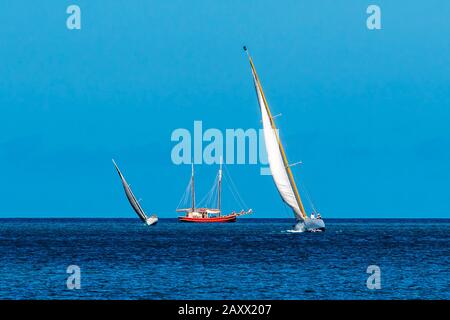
point(279, 165)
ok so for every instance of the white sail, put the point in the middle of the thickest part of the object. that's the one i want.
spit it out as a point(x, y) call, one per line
point(278, 166)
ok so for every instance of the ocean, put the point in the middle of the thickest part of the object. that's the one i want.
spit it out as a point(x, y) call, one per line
point(249, 259)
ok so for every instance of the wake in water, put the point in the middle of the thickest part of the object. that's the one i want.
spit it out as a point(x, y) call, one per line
point(294, 231)
point(301, 231)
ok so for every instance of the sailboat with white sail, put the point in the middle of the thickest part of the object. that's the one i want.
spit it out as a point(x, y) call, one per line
point(279, 165)
point(148, 220)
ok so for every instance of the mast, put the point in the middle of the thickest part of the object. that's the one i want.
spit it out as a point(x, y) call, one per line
point(193, 189)
point(219, 193)
point(280, 146)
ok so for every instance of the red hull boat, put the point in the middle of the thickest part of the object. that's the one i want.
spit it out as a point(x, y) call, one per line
point(207, 214)
point(221, 219)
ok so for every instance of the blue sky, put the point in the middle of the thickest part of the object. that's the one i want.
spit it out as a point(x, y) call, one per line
point(366, 111)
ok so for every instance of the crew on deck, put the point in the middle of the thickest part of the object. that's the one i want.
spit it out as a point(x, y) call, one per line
point(318, 216)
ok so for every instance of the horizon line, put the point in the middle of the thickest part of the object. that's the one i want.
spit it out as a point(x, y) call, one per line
point(245, 218)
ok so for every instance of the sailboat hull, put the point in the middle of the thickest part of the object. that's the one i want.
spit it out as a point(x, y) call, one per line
point(151, 221)
point(221, 219)
point(310, 225)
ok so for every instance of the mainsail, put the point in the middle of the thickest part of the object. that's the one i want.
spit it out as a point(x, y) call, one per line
point(131, 198)
point(279, 166)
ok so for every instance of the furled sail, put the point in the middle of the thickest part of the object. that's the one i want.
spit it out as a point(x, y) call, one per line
point(131, 198)
point(279, 166)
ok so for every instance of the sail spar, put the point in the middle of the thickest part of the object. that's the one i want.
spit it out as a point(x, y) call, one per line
point(279, 166)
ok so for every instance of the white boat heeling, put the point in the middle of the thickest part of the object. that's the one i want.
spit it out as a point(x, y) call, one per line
point(279, 165)
point(312, 225)
point(153, 219)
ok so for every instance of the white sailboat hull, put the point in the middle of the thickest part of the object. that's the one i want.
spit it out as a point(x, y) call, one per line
point(310, 225)
point(151, 220)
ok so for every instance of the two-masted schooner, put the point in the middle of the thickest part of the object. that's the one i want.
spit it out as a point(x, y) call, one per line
point(148, 220)
point(207, 214)
point(279, 165)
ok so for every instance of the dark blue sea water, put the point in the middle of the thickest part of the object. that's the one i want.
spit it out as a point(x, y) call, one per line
point(250, 259)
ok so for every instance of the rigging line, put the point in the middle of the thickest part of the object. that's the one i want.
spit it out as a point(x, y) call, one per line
point(211, 200)
point(243, 204)
point(206, 199)
point(234, 191)
point(185, 195)
point(210, 195)
point(234, 195)
point(308, 196)
point(203, 200)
